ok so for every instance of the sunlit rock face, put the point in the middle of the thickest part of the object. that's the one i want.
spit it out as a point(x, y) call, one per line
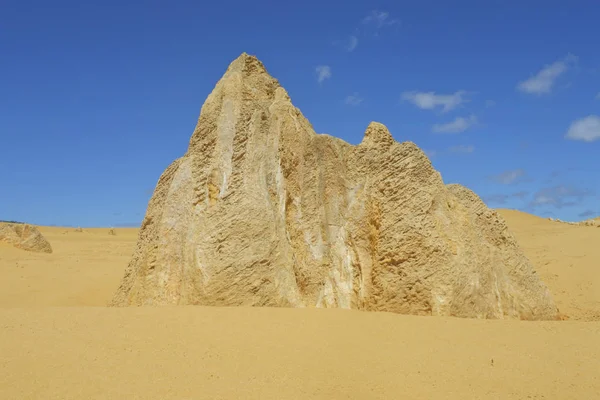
point(262, 211)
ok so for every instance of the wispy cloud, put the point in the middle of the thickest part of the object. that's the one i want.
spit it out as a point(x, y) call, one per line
point(509, 177)
point(563, 175)
point(500, 199)
point(460, 124)
point(489, 103)
point(462, 149)
point(372, 25)
point(431, 100)
point(598, 96)
point(323, 72)
point(352, 43)
point(585, 129)
point(349, 44)
point(543, 81)
point(353, 100)
point(559, 196)
point(379, 19)
point(588, 214)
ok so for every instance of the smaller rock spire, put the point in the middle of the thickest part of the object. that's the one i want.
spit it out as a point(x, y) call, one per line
point(247, 63)
point(378, 135)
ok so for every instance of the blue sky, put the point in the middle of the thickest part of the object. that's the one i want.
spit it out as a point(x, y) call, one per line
point(97, 98)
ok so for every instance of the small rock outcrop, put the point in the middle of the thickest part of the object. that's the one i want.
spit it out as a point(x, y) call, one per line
point(590, 222)
point(25, 237)
point(262, 211)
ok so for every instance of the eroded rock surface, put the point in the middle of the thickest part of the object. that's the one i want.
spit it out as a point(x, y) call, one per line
point(25, 237)
point(262, 211)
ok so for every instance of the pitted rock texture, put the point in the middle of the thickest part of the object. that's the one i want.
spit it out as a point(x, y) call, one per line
point(25, 237)
point(262, 211)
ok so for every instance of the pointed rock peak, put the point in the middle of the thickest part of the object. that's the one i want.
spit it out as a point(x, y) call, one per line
point(378, 135)
point(247, 65)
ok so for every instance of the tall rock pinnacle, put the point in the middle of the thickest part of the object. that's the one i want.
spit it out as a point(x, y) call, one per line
point(262, 211)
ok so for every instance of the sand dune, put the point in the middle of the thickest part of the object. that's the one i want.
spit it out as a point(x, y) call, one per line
point(54, 345)
point(567, 257)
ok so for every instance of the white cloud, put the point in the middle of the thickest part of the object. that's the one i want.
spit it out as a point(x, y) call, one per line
point(379, 19)
point(490, 103)
point(586, 129)
point(349, 44)
point(323, 72)
point(508, 177)
point(430, 100)
point(352, 43)
point(460, 124)
point(543, 81)
point(353, 100)
point(462, 149)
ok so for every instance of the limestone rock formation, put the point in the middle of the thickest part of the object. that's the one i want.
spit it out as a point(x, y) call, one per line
point(589, 222)
point(262, 211)
point(24, 236)
point(592, 222)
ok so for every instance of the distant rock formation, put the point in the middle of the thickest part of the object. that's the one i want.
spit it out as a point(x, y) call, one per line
point(262, 211)
point(25, 237)
point(590, 222)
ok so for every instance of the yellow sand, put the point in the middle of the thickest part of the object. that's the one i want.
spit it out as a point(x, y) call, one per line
point(84, 269)
point(53, 345)
point(567, 257)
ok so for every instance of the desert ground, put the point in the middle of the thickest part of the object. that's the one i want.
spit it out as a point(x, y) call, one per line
point(58, 340)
